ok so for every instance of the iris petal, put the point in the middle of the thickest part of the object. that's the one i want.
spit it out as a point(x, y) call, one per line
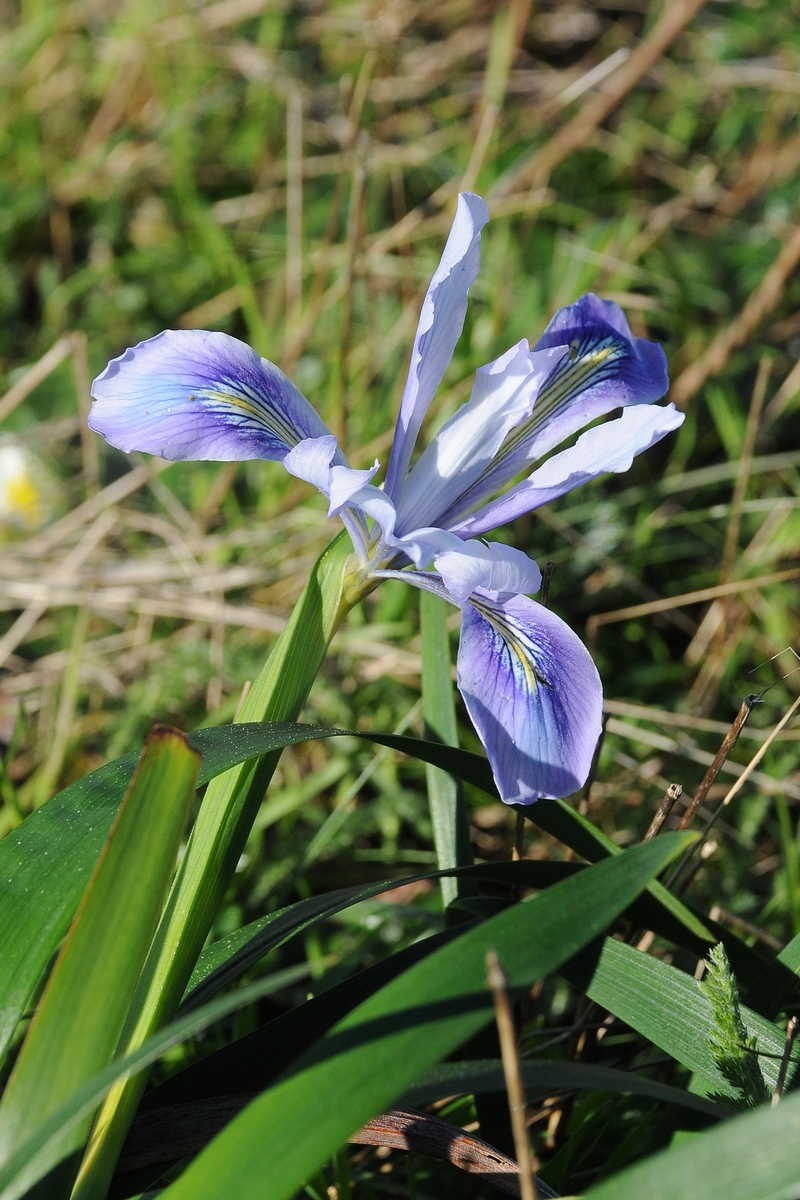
point(189, 394)
point(609, 447)
point(603, 367)
point(533, 694)
point(491, 566)
point(439, 328)
point(502, 396)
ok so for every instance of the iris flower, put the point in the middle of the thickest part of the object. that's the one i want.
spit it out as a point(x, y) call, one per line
point(529, 684)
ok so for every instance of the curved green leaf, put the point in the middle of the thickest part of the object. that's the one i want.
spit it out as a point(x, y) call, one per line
point(381, 1048)
point(487, 1075)
point(754, 1157)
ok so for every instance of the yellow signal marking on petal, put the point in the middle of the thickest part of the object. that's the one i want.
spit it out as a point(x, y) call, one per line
point(268, 418)
point(514, 642)
point(566, 381)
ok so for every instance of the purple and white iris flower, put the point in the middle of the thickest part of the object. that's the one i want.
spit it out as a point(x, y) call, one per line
point(528, 682)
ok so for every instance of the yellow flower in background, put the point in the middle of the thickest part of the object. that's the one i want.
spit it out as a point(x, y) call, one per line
point(26, 493)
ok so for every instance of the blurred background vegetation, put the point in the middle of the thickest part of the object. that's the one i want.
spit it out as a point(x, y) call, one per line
point(285, 171)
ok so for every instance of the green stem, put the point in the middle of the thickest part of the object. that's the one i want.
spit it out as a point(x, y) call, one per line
point(445, 794)
point(217, 840)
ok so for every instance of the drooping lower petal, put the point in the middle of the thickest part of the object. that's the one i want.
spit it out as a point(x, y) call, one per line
point(190, 394)
point(533, 694)
point(609, 447)
point(439, 328)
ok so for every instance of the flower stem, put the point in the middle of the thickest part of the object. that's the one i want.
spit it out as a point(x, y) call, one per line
point(445, 795)
point(217, 840)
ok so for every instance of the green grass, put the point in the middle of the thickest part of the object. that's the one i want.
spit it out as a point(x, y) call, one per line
point(143, 185)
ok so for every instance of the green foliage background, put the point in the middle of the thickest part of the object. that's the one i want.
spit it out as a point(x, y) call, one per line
point(146, 169)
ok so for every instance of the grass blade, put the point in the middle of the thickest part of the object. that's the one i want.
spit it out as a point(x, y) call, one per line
point(382, 1047)
point(80, 1018)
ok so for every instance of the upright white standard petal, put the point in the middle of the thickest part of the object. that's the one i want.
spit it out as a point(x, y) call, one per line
point(439, 328)
point(609, 447)
point(503, 394)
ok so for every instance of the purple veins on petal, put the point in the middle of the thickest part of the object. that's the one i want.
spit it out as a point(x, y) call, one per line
point(533, 695)
point(190, 394)
point(608, 447)
point(604, 367)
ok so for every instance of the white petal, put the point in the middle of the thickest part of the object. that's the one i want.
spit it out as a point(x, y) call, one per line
point(345, 483)
point(311, 460)
point(503, 395)
point(609, 447)
point(439, 328)
point(492, 567)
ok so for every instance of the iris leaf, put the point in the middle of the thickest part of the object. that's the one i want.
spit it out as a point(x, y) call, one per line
point(381, 1048)
point(80, 1018)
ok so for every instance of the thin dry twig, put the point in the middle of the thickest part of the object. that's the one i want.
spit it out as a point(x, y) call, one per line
point(535, 170)
point(791, 1034)
point(759, 754)
point(669, 602)
point(729, 741)
point(35, 375)
point(784, 395)
point(672, 794)
point(496, 978)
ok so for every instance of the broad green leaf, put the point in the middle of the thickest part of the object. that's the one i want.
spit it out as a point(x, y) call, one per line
point(32, 1156)
point(252, 1062)
point(473, 1077)
point(486, 1075)
point(381, 1048)
point(753, 1157)
point(223, 961)
point(667, 1006)
point(79, 1020)
point(46, 862)
point(777, 984)
point(677, 920)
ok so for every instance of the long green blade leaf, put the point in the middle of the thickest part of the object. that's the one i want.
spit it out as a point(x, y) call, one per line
point(487, 1075)
point(80, 1018)
point(46, 862)
point(445, 793)
point(33, 1154)
point(667, 1006)
point(755, 1157)
point(382, 1047)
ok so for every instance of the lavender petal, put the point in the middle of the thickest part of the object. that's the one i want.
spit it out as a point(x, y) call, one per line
point(190, 394)
point(439, 328)
point(533, 694)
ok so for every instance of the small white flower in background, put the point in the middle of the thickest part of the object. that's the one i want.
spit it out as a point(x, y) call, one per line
point(26, 492)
